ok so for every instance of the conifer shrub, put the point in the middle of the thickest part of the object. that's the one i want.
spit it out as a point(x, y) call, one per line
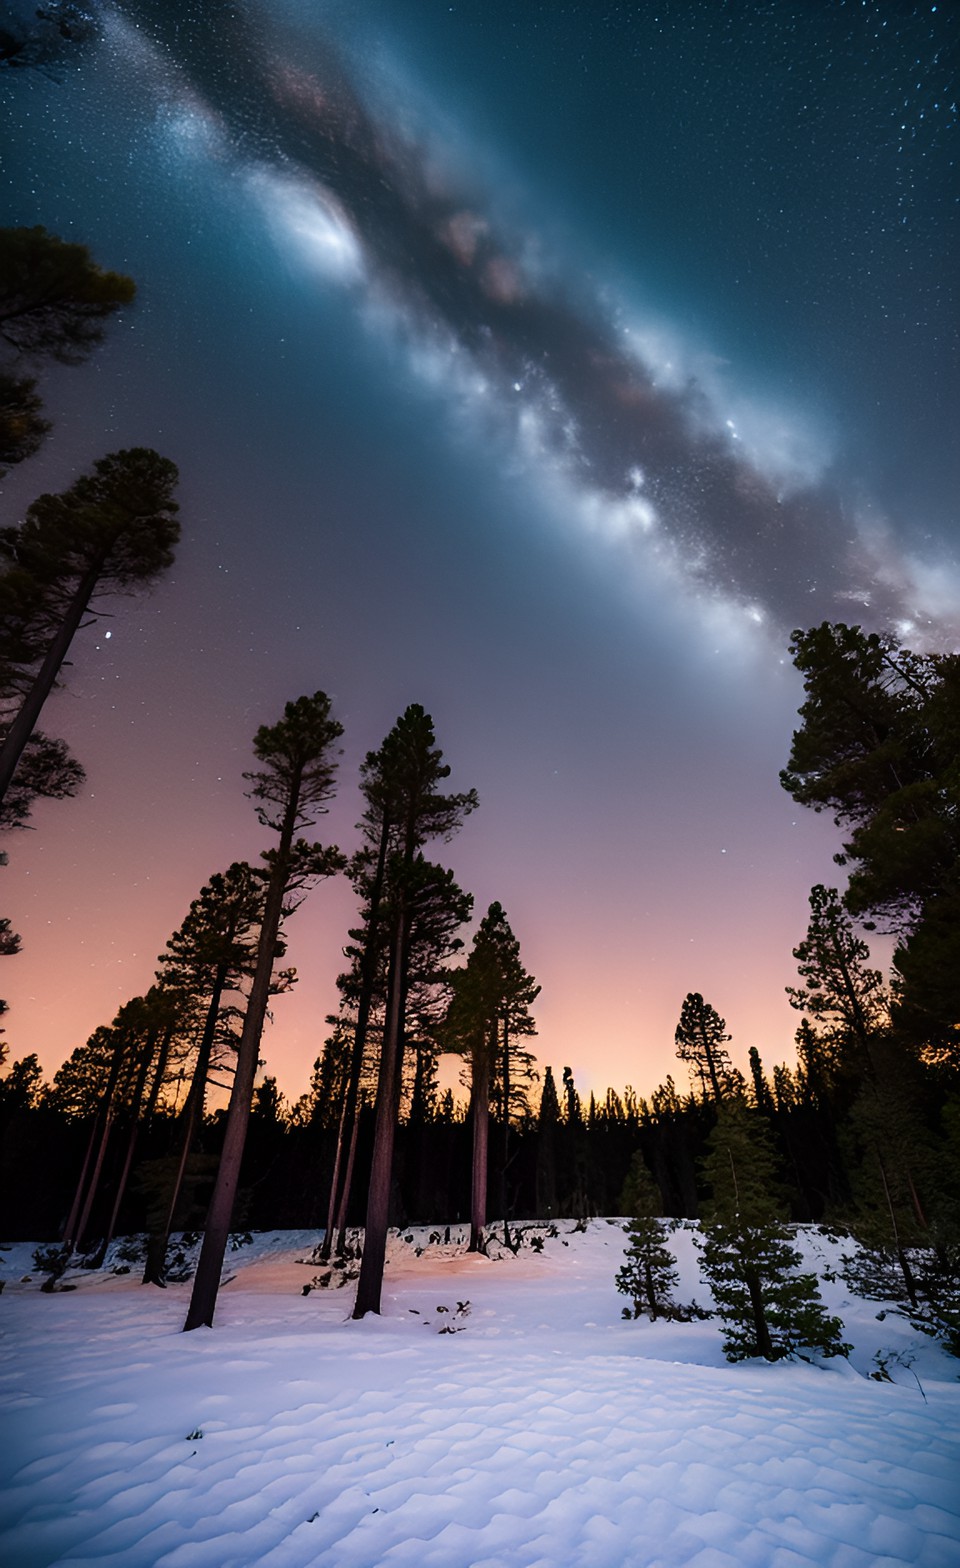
point(649, 1275)
point(767, 1306)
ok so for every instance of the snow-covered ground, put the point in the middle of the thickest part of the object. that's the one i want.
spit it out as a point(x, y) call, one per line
point(533, 1426)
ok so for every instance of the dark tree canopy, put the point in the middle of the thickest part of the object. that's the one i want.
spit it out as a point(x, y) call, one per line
point(840, 990)
point(54, 298)
point(46, 771)
point(701, 1039)
point(120, 520)
point(878, 747)
point(113, 531)
point(22, 425)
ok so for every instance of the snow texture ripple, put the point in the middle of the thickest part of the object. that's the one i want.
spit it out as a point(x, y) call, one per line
point(543, 1431)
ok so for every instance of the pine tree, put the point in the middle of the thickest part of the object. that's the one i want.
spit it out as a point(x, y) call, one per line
point(403, 810)
point(154, 1019)
point(211, 954)
point(767, 1307)
point(54, 298)
point(291, 788)
point(489, 1013)
point(104, 1080)
point(878, 747)
point(402, 789)
point(762, 1098)
point(839, 989)
point(22, 425)
point(700, 1039)
point(649, 1276)
point(547, 1122)
point(54, 304)
point(112, 532)
point(879, 1080)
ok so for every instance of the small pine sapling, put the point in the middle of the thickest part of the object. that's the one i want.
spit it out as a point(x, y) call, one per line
point(649, 1274)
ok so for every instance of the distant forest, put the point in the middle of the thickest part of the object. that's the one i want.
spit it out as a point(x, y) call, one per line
point(863, 1132)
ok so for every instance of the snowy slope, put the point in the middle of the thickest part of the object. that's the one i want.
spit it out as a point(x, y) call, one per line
point(543, 1430)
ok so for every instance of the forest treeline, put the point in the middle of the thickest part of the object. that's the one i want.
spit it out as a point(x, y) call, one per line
point(863, 1131)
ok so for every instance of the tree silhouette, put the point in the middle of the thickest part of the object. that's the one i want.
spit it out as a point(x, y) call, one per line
point(401, 787)
point(113, 531)
point(700, 1039)
point(291, 788)
point(54, 298)
point(840, 991)
point(54, 305)
point(878, 747)
point(488, 1015)
point(211, 953)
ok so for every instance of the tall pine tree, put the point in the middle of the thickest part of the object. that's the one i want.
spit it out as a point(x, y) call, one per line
point(298, 761)
point(406, 810)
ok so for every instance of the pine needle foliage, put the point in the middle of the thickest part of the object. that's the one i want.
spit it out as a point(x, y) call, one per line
point(767, 1306)
point(649, 1275)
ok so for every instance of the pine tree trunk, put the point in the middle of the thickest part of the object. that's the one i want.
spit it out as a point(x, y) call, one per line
point(70, 1224)
point(327, 1243)
point(760, 1328)
point(80, 1209)
point(28, 717)
point(348, 1178)
point(339, 1200)
point(712, 1068)
point(479, 1169)
point(158, 1075)
point(139, 1087)
point(154, 1271)
point(506, 1132)
point(370, 1283)
point(651, 1292)
point(94, 1180)
point(206, 1284)
point(905, 1269)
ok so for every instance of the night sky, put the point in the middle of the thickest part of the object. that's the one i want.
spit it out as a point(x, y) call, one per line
point(544, 364)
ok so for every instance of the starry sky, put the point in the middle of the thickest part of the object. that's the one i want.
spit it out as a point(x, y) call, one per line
point(542, 364)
